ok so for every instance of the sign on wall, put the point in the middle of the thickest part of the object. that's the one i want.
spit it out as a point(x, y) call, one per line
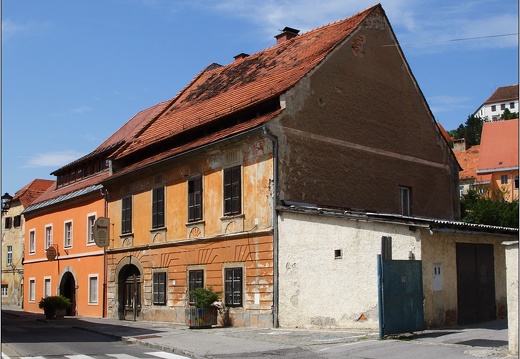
point(101, 232)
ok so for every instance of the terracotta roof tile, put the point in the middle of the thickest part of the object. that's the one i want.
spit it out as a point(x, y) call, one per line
point(468, 160)
point(52, 192)
point(219, 91)
point(504, 93)
point(225, 133)
point(498, 145)
point(32, 191)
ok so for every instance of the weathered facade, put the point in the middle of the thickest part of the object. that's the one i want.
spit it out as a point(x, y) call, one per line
point(328, 267)
point(13, 231)
point(296, 123)
point(206, 244)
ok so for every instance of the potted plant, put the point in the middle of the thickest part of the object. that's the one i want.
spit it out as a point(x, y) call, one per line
point(54, 306)
point(203, 314)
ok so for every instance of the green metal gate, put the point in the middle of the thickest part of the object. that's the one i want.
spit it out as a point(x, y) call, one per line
point(400, 296)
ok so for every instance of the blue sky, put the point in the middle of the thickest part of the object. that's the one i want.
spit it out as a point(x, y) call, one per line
point(73, 72)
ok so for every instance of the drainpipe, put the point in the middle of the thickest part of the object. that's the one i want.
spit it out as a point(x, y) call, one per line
point(104, 193)
point(275, 224)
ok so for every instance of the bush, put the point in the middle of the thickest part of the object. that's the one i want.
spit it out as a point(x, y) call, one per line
point(204, 297)
point(53, 302)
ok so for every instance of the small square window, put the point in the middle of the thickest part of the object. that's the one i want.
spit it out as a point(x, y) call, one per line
point(512, 105)
point(338, 254)
point(493, 108)
point(503, 106)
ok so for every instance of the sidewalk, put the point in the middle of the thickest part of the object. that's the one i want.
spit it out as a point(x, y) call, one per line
point(486, 339)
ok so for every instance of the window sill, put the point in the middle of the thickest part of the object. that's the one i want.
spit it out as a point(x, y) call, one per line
point(124, 235)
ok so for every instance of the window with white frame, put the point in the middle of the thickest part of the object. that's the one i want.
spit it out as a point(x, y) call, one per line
point(47, 291)
point(32, 241)
point(48, 237)
point(4, 290)
point(9, 255)
point(91, 219)
point(511, 105)
point(32, 289)
point(93, 289)
point(67, 231)
point(503, 179)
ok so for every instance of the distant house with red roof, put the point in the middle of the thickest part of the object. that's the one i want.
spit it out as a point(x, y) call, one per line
point(498, 159)
point(13, 228)
point(505, 97)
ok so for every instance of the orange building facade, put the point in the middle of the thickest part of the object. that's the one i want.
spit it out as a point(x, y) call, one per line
point(61, 257)
point(197, 237)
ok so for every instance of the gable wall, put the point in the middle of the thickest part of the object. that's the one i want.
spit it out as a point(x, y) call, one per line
point(358, 127)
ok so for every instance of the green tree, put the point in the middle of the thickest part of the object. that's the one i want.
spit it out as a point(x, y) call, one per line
point(508, 115)
point(471, 131)
point(489, 208)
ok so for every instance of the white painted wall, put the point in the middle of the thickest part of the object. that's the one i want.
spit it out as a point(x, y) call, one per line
point(318, 290)
point(512, 295)
point(485, 111)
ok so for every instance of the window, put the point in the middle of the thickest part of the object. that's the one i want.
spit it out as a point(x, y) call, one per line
point(17, 220)
point(8, 222)
point(32, 290)
point(159, 288)
point(404, 201)
point(503, 106)
point(67, 231)
point(32, 241)
point(493, 108)
point(158, 207)
point(47, 287)
point(516, 182)
point(195, 199)
point(93, 289)
point(233, 287)
point(511, 105)
point(4, 290)
point(195, 280)
point(91, 219)
point(232, 191)
point(503, 179)
point(126, 215)
point(9, 255)
point(48, 237)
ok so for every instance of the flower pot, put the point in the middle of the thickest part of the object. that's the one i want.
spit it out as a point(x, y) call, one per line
point(201, 317)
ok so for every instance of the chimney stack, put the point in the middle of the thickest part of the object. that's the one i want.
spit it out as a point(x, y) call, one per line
point(287, 33)
point(240, 56)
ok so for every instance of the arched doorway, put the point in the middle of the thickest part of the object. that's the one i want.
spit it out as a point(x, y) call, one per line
point(68, 289)
point(129, 292)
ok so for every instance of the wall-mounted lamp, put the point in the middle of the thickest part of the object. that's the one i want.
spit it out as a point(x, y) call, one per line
point(6, 202)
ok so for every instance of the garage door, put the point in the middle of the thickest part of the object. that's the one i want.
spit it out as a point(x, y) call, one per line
point(475, 283)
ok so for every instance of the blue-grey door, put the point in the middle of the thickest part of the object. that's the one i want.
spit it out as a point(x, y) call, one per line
point(400, 296)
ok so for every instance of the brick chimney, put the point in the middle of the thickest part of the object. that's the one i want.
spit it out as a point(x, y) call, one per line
point(240, 56)
point(287, 33)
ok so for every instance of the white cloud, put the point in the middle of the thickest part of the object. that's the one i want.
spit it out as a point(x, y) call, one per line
point(430, 24)
point(52, 159)
point(81, 109)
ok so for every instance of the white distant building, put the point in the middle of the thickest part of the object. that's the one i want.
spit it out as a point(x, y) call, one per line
point(503, 97)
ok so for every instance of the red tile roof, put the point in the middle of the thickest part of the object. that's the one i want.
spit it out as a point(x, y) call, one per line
point(468, 160)
point(221, 90)
point(504, 93)
point(445, 133)
point(31, 192)
point(498, 146)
